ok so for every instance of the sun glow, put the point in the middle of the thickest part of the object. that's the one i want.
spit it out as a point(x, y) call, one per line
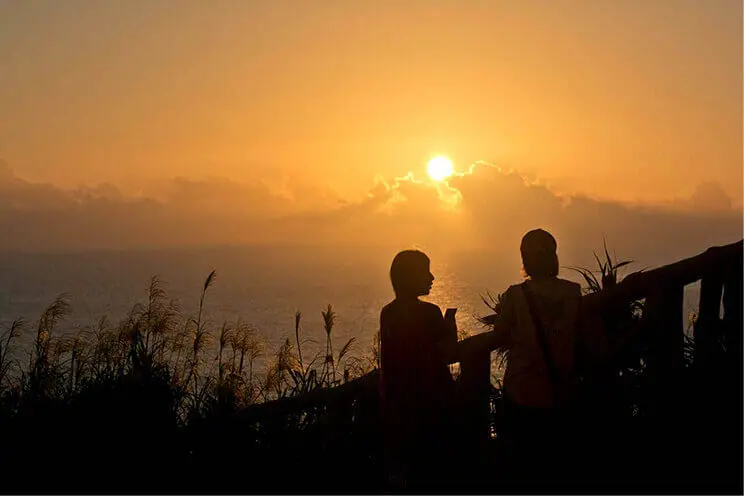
point(440, 168)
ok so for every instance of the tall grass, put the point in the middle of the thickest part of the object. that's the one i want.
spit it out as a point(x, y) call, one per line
point(7, 340)
point(206, 367)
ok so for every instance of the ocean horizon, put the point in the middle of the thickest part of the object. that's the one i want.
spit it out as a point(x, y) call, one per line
point(262, 286)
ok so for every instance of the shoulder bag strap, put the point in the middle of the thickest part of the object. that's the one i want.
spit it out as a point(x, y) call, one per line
point(542, 339)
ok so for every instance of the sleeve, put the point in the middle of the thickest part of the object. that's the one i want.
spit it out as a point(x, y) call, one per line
point(592, 345)
point(391, 360)
point(505, 322)
point(385, 346)
point(383, 360)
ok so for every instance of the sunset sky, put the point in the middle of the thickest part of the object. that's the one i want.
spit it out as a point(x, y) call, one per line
point(625, 100)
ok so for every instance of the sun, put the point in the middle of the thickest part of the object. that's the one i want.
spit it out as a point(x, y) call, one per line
point(439, 168)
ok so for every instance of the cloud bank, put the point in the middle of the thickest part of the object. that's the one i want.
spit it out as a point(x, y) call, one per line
point(485, 209)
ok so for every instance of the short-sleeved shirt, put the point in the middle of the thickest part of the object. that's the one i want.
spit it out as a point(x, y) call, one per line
point(526, 380)
point(414, 369)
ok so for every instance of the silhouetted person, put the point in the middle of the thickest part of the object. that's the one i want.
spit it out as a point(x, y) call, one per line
point(541, 324)
point(416, 385)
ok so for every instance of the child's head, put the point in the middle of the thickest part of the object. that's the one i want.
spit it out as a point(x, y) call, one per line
point(410, 274)
point(539, 256)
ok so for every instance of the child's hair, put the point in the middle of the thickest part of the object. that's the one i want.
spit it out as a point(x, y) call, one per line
point(404, 266)
point(539, 257)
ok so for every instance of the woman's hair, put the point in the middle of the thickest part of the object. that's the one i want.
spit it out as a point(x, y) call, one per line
point(539, 257)
point(404, 268)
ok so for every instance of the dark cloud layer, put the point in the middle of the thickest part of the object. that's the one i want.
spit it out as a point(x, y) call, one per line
point(486, 209)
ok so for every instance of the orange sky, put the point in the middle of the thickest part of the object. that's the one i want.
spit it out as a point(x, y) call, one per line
point(630, 100)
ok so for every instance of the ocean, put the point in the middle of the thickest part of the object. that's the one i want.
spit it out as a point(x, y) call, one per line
point(263, 286)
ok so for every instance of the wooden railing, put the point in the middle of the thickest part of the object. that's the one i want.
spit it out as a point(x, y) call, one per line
point(719, 269)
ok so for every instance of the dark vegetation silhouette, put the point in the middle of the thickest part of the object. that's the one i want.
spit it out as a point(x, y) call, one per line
point(165, 402)
point(158, 394)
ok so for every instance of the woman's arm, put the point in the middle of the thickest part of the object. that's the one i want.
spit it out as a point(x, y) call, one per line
point(503, 322)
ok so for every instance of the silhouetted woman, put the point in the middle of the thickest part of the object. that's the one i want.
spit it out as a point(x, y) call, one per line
point(540, 324)
point(415, 384)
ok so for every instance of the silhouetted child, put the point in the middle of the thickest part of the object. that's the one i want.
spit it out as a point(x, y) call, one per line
point(416, 385)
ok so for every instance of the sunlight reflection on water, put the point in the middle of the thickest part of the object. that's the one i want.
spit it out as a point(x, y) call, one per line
point(263, 287)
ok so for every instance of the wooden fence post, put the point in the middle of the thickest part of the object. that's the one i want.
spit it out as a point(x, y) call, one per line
point(665, 326)
point(474, 388)
point(707, 330)
point(730, 406)
point(732, 312)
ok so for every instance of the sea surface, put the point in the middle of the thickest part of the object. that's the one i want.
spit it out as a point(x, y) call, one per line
point(264, 286)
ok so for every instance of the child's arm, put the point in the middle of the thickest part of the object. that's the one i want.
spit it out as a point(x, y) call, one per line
point(446, 334)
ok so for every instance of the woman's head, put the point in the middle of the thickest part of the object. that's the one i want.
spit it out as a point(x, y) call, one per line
point(410, 273)
point(539, 256)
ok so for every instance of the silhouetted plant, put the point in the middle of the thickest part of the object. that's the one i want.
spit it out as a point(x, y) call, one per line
point(42, 379)
point(7, 340)
point(493, 302)
point(200, 337)
point(607, 275)
point(329, 319)
point(298, 317)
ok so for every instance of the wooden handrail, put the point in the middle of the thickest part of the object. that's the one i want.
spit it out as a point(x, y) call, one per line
point(640, 284)
point(286, 406)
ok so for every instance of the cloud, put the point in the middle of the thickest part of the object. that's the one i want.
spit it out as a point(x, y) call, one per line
point(220, 196)
point(486, 208)
point(504, 205)
point(709, 196)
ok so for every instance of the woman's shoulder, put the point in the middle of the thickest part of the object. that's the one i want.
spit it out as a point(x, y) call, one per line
point(429, 307)
point(419, 307)
point(396, 306)
point(569, 287)
point(388, 309)
point(511, 290)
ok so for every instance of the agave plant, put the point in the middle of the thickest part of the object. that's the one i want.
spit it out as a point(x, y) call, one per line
point(620, 317)
point(607, 275)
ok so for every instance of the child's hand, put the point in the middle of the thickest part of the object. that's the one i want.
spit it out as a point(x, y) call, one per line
point(449, 319)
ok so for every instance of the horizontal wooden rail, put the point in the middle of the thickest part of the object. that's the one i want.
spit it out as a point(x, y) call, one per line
point(641, 284)
point(285, 406)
